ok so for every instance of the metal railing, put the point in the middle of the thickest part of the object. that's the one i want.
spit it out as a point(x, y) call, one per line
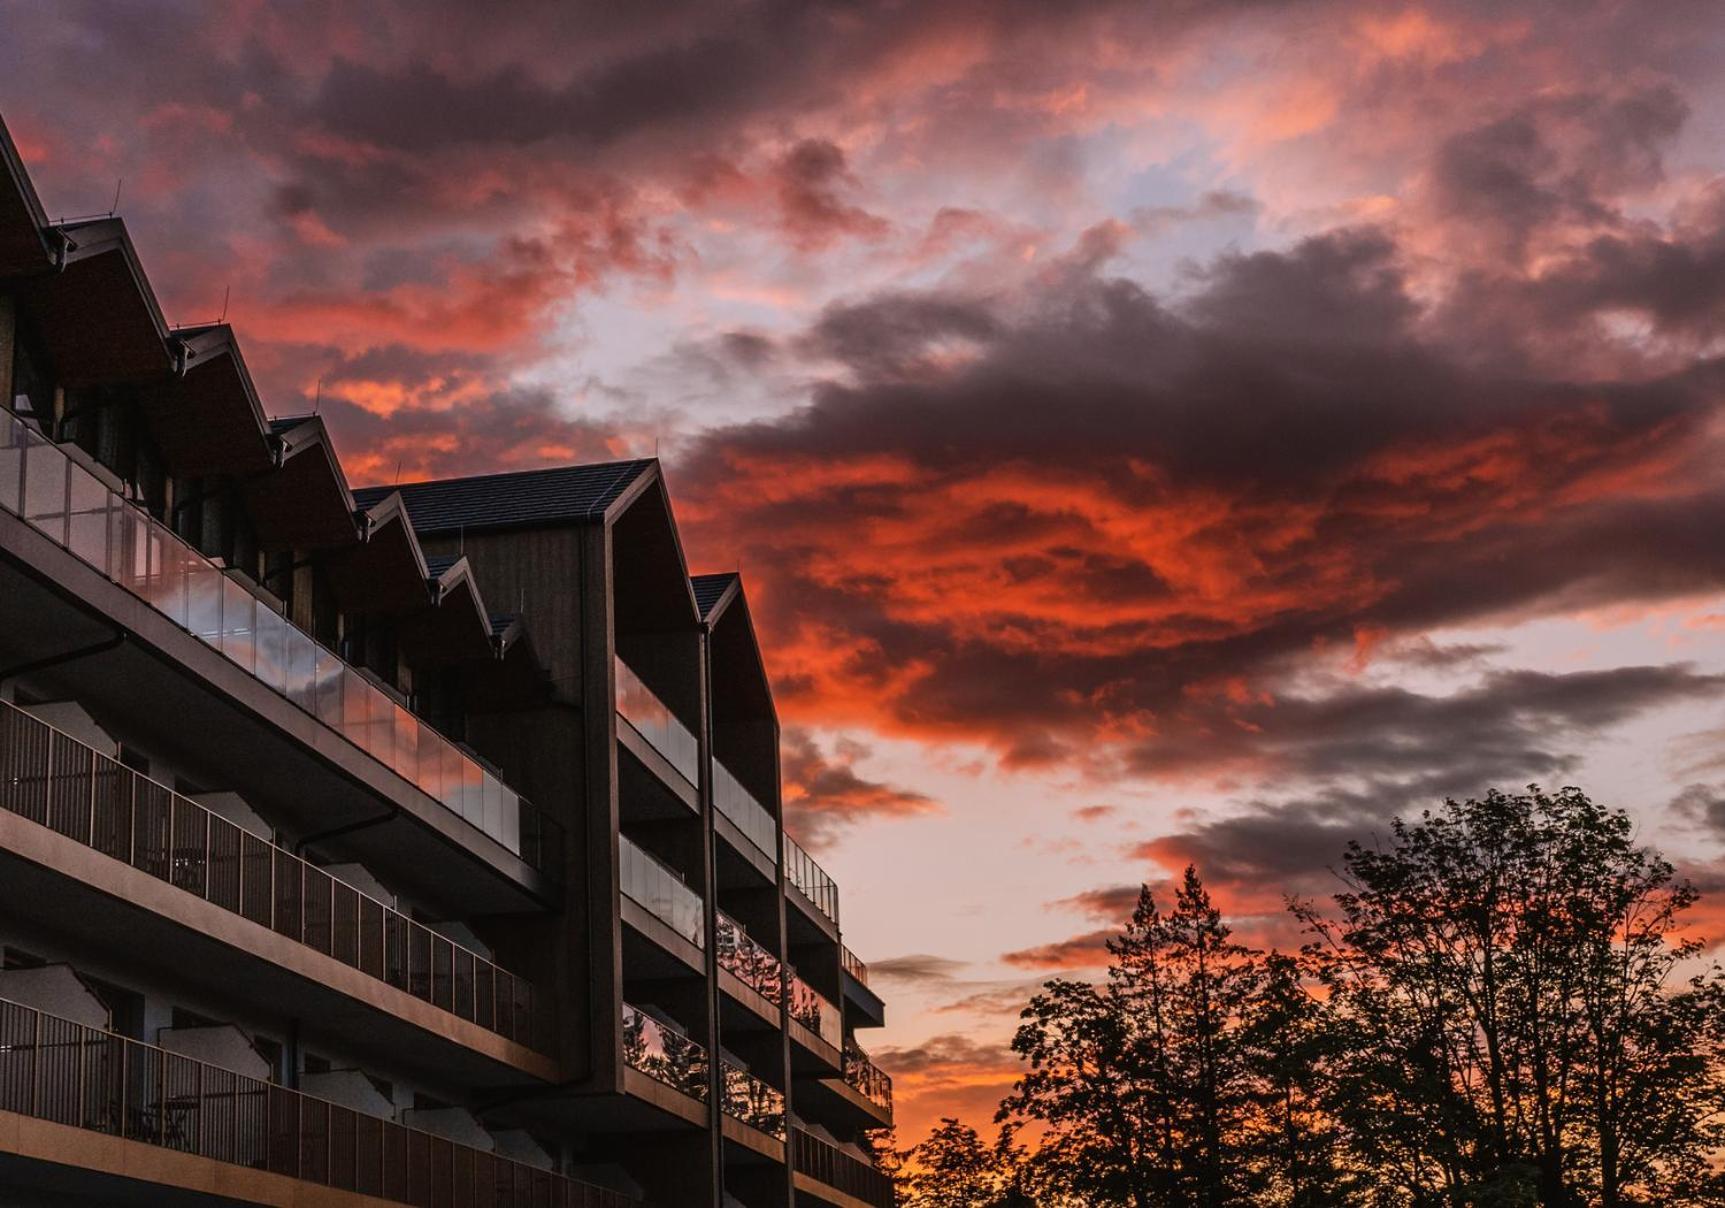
point(752, 1101)
point(653, 720)
point(812, 1009)
point(62, 500)
point(63, 1072)
point(852, 965)
point(661, 892)
point(663, 1054)
point(839, 1170)
point(743, 957)
point(55, 780)
point(741, 807)
point(866, 1078)
point(811, 879)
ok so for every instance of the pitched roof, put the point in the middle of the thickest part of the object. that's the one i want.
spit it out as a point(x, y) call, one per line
point(710, 588)
point(522, 497)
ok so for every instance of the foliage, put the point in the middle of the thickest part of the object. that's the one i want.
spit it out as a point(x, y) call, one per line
point(1492, 1014)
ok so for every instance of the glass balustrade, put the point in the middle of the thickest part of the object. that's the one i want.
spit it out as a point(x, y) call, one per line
point(812, 1009)
point(655, 722)
point(868, 1079)
point(811, 879)
point(664, 1054)
point(746, 960)
point(661, 892)
point(62, 500)
point(751, 817)
point(752, 1101)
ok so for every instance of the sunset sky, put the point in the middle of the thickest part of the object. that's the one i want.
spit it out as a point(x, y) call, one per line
point(1150, 432)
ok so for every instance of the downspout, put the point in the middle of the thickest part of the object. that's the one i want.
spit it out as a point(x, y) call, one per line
point(55, 660)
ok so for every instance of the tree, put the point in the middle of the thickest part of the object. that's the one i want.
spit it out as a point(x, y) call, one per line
point(953, 1168)
point(1508, 963)
point(1140, 1083)
point(1294, 1146)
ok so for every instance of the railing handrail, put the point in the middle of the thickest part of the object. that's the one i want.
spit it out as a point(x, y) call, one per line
point(811, 879)
point(770, 983)
point(755, 820)
point(853, 965)
point(765, 1109)
point(874, 1083)
point(687, 762)
point(426, 775)
point(669, 1039)
point(231, 1086)
point(829, 1164)
point(678, 883)
point(12, 763)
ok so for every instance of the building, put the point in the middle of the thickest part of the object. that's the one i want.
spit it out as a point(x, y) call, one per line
point(415, 845)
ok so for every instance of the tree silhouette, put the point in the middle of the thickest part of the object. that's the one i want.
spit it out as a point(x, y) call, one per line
point(1500, 1009)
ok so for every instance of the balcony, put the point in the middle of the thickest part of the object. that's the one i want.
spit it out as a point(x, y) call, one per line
point(76, 791)
point(57, 1071)
point(663, 1054)
point(745, 959)
point(750, 816)
point(750, 1101)
point(55, 495)
point(812, 1010)
point(863, 1006)
point(811, 880)
point(654, 721)
point(661, 892)
point(829, 1166)
point(868, 1079)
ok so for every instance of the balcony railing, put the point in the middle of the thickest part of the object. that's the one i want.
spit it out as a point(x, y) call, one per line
point(811, 1009)
point(839, 1170)
point(663, 1054)
point(752, 1101)
point(866, 1078)
point(57, 781)
point(811, 879)
point(742, 956)
point(739, 805)
point(852, 965)
point(55, 495)
point(63, 1072)
point(661, 892)
point(655, 722)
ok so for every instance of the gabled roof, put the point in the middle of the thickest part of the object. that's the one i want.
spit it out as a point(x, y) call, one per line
point(710, 591)
point(209, 420)
point(98, 315)
point(305, 503)
point(564, 493)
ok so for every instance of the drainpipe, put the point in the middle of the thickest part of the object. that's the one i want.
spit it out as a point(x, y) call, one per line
point(55, 660)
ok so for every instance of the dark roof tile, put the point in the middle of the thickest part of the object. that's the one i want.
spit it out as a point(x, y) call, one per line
point(505, 500)
point(708, 589)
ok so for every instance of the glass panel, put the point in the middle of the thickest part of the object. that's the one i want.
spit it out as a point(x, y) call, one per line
point(131, 556)
point(11, 464)
point(300, 676)
point(749, 815)
point(656, 723)
point(431, 746)
point(272, 646)
point(661, 892)
point(87, 534)
point(204, 601)
point(507, 828)
point(662, 1053)
point(355, 708)
point(331, 702)
point(406, 742)
point(747, 961)
point(171, 565)
point(752, 1101)
point(45, 487)
point(239, 625)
